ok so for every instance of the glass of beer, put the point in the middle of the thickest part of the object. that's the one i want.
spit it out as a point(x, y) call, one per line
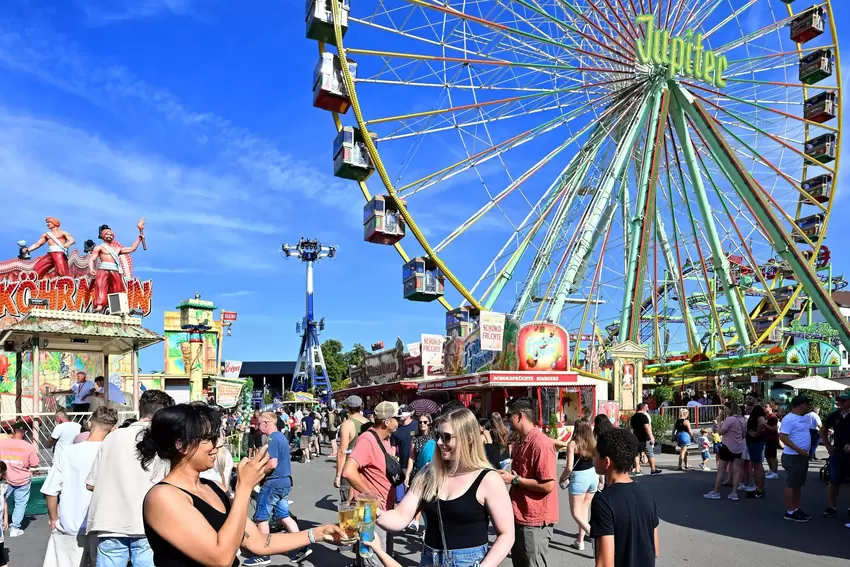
point(349, 522)
point(367, 500)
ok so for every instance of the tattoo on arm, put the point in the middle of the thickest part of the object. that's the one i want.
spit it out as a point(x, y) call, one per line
point(268, 540)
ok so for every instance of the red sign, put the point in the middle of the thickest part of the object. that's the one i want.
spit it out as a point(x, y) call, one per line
point(502, 380)
point(228, 316)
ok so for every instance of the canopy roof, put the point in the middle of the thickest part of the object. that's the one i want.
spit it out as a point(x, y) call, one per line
point(66, 331)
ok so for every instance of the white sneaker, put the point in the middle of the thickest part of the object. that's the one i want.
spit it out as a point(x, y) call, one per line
point(703, 467)
point(750, 488)
point(711, 495)
point(15, 532)
point(771, 475)
point(578, 545)
point(733, 497)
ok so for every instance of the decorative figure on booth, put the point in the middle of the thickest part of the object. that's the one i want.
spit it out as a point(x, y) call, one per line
point(58, 243)
point(108, 277)
point(628, 376)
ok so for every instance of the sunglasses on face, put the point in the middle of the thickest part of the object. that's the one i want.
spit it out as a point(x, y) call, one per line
point(424, 423)
point(444, 438)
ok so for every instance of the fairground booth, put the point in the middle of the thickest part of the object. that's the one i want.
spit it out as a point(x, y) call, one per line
point(384, 374)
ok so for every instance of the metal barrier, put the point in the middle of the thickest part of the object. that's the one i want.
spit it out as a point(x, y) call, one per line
point(698, 415)
point(41, 425)
point(234, 443)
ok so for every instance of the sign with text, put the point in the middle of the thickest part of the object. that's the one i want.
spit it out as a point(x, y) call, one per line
point(228, 316)
point(432, 351)
point(492, 327)
point(228, 394)
point(413, 349)
point(232, 368)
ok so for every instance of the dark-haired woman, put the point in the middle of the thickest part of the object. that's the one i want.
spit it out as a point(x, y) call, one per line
point(190, 521)
point(581, 477)
point(497, 450)
point(755, 447)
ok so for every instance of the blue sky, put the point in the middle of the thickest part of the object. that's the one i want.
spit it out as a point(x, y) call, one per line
point(197, 115)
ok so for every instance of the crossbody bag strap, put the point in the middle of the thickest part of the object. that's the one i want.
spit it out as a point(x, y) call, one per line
point(380, 443)
point(442, 532)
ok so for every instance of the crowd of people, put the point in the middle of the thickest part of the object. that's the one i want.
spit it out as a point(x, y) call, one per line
point(163, 489)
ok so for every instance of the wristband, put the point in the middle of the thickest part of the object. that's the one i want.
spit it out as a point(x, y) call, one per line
point(311, 536)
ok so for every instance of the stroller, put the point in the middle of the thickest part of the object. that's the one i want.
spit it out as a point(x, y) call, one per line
point(296, 453)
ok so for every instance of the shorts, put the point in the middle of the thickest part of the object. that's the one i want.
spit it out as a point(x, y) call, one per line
point(716, 448)
point(756, 451)
point(583, 482)
point(272, 499)
point(724, 454)
point(306, 440)
point(839, 466)
point(705, 455)
point(796, 469)
point(645, 448)
point(255, 440)
point(467, 557)
point(683, 439)
point(771, 446)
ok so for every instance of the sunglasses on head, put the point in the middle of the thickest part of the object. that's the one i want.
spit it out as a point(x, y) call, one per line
point(444, 438)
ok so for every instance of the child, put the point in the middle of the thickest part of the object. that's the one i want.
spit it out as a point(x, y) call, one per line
point(704, 444)
point(3, 552)
point(623, 518)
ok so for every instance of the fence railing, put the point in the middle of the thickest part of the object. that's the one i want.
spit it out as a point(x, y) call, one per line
point(697, 415)
point(40, 426)
point(234, 443)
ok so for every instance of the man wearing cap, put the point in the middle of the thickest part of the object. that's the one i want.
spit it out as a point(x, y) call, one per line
point(839, 449)
point(366, 467)
point(794, 433)
point(349, 431)
point(402, 440)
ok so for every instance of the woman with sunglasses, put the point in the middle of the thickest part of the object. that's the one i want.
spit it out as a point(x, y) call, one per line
point(460, 495)
point(419, 457)
point(190, 521)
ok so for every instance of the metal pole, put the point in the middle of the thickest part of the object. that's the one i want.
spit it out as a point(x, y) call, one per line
point(106, 380)
point(36, 378)
point(134, 360)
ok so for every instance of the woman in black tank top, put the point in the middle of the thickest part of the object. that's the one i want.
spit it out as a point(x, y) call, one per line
point(460, 494)
point(190, 521)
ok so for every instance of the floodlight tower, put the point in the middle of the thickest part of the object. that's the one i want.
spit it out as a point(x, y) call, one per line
point(310, 370)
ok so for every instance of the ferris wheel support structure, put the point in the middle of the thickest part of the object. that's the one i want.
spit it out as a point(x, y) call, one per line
point(751, 192)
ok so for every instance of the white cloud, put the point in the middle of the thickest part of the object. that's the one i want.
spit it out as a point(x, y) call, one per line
point(100, 12)
point(240, 293)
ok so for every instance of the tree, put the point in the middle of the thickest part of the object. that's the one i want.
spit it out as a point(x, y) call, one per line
point(355, 356)
point(335, 361)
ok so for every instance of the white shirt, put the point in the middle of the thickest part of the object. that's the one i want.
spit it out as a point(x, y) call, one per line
point(82, 388)
point(64, 434)
point(67, 477)
point(815, 419)
point(796, 427)
point(115, 394)
point(120, 484)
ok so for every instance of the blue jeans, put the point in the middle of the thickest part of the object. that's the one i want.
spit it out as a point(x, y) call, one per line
point(272, 503)
point(117, 551)
point(20, 495)
point(467, 557)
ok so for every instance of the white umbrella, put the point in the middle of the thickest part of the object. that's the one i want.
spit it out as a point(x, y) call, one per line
point(817, 383)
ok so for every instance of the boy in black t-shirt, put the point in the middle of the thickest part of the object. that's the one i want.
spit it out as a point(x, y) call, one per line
point(623, 517)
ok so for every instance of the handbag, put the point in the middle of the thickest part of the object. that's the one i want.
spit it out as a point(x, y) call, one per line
point(395, 474)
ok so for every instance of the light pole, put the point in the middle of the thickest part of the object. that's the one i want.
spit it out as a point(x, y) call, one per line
point(310, 369)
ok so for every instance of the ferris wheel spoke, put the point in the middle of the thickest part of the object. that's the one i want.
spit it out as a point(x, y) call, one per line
point(628, 29)
point(720, 261)
point(734, 15)
point(752, 36)
point(480, 213)
point(698, 18)
point(780, 84)
point(491, 152)
point(773, 137)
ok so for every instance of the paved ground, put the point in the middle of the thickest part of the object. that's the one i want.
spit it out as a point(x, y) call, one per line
point(694, 531)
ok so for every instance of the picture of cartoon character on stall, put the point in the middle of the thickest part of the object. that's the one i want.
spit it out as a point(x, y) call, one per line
point(543, 347)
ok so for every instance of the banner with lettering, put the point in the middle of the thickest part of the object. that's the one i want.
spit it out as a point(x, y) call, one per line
point(492, 330)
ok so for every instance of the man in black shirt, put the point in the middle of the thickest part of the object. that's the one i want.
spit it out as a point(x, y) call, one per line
point(646, 442)
point(623, 517)
point(402, 440)
point(839, 449)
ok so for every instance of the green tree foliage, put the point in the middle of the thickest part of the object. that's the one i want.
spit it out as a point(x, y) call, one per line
point(819, 401)
point(335, 364)
point(663, 394)
point(553, 426)
point(355, 356)
point(733, 395)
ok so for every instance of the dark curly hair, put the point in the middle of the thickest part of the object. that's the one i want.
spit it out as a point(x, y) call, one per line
point(152, 401)
point(175, 431)
point(619, 445)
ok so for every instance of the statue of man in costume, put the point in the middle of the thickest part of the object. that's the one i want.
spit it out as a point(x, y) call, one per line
point(108, 277)
point(58, 242)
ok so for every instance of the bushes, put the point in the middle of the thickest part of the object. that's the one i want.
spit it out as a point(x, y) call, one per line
point(662, 426)
point(733, 395)
point(819, 401)
point(663, 394)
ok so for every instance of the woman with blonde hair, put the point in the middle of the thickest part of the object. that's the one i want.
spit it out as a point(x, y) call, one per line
point(581, 477)
point(459, 494)
point(682, 433)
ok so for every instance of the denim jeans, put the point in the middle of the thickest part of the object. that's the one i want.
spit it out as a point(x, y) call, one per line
point(272, 503)
point(20, 495)
point(467, 557)
point(117, 551)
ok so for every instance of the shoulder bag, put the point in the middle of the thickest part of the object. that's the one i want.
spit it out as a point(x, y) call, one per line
point(395, 474)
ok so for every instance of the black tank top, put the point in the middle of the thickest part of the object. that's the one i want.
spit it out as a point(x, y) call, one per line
point(582, 464)
point(465, 520)
point(165, 554)
point(680, 426)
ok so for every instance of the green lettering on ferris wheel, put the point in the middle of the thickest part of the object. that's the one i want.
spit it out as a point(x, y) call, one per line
point(681, 56)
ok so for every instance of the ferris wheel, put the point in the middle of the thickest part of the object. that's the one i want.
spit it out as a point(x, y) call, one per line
point(661, 171)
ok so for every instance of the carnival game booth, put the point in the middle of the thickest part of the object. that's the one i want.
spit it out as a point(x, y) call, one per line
point(400, 392)
point(565, 394)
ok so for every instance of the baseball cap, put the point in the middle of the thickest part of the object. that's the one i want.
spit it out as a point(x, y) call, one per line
point(386, 410)
point(404, 411)
point(19, 425)
point(799, 400)
point(354, 402)
point(844, 396)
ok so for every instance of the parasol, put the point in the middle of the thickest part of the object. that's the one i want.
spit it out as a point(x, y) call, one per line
point(817, 383)
point(424, 405)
